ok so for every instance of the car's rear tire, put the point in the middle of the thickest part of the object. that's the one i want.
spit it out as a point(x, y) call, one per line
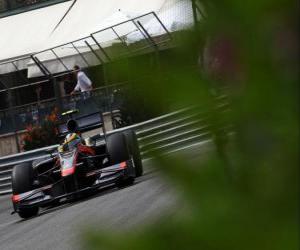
point(22, 182)
point(134, 150)
point(117, 148)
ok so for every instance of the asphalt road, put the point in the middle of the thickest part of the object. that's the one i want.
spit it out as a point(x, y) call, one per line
point(150, 198)
point(114, 209)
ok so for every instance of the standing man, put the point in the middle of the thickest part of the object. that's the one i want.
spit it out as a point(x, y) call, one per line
point(84, 84)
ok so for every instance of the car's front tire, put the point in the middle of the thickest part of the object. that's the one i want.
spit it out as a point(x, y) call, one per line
point(134, 150)
point(22, 182)
point(117, 147)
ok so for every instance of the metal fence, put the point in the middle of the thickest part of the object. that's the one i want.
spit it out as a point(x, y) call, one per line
point(121, 40)
point(131, 37)
point(18, 118)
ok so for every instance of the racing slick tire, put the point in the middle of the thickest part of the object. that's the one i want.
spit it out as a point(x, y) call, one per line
point(118, 152)
point(117, 148)
point(134, 150)
point(22, 182)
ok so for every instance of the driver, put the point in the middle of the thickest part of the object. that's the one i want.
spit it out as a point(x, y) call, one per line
point(74, 139)
point(71, 141)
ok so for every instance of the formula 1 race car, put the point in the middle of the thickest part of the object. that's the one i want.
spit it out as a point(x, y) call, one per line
point(76, 167)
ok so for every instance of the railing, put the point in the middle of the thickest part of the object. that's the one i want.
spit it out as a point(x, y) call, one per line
point(141, 34)
point(104, 99)
point(115, 42)
point(167, 133)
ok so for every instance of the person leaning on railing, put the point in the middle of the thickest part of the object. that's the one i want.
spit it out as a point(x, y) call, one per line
point(84, 84)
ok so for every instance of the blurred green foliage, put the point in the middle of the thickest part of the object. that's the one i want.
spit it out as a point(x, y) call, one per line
point(245, 194)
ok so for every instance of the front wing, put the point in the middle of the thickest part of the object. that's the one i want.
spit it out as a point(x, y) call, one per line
point(106, 176)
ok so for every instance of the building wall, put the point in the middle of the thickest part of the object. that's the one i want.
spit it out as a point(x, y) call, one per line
point(10, 7)
point(8, 145)
point(2, 5)
point(11, 4)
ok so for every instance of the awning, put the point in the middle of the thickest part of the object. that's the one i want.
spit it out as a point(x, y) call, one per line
point(88, 16)
point(174, 14)
point(51, 28)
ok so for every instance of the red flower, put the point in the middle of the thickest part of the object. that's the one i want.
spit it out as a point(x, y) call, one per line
point(43, 135)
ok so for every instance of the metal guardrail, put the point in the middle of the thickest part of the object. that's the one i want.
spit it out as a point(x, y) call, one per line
point(163, 134)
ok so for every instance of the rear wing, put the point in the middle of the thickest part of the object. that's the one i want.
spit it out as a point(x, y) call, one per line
point(85, 123)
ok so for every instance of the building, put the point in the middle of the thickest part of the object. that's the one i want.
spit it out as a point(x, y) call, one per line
point(12, 7)
point(53, 36)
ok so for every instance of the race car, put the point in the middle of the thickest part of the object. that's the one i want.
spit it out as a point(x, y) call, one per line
point(77, 167)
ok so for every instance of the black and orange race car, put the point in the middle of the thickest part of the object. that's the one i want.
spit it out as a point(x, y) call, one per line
point(76, 167)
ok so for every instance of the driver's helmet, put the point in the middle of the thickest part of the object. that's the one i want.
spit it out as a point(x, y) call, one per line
point(72, 126)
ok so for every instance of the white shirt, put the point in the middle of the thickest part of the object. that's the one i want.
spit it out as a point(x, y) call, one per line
point(84, 84)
